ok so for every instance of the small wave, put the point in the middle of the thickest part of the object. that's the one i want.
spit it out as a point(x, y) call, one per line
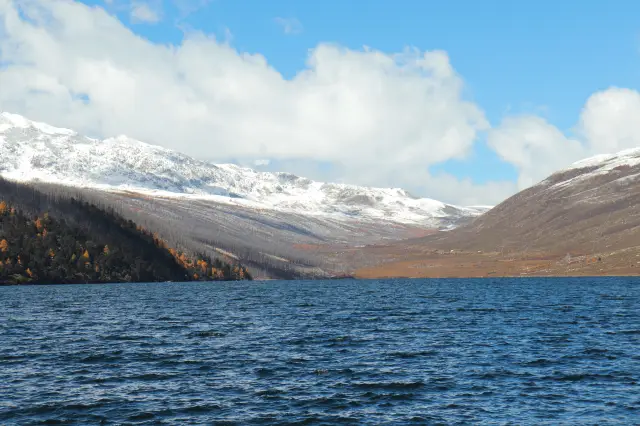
point(124, 338)
point(267, 372)
point(151, 377)
point(481, 310)
point(203, 408)
point(612, 297)
point(80, 406)
point(404, 396)
point(578, 377)
point(271, 392)
point(142, 416)
point(389, 385)
point(540, 362)
point(102, 358)
point(12, 357)
point(207, 333)
point(595, 351)
point(412, 354)
point(297, 360)
point(489, 375)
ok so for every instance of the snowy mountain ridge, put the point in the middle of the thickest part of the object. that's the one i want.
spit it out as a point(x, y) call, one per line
point(33, 151)
point(597, 165)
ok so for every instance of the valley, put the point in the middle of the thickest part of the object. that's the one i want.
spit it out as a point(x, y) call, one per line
point(279, 224)
point(583, 220)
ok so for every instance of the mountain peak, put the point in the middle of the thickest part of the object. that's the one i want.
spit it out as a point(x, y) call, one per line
point(9, 120)
point(56, 155)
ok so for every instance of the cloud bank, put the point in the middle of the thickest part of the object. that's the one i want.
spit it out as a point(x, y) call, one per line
point(381, 118)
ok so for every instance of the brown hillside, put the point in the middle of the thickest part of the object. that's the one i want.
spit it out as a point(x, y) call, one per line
point(572, 218)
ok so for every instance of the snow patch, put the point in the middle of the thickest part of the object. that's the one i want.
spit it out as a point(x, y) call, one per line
point(49, 154)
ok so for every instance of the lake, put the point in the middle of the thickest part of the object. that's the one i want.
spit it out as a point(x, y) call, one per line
point(476, 351)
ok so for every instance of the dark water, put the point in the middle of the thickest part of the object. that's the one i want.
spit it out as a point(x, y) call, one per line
point(531, 351)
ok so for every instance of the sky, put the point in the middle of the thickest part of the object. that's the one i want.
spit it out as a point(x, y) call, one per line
point(463, 101)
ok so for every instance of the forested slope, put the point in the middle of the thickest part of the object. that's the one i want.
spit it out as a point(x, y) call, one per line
point(49, 238)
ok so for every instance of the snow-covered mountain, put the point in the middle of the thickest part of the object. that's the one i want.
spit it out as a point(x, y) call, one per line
point(626, 161)
point(32, 151)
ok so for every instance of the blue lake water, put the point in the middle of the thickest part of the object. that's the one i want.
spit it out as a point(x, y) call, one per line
point(523, 351)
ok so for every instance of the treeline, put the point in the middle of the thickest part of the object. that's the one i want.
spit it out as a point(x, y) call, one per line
point(200, 235)
point(52, 238)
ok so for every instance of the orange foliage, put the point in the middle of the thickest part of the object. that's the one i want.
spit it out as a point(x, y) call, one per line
point(3, 207)
point(4, 246)
point(28, 271)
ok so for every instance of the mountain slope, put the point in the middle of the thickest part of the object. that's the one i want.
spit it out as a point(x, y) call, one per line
point(52, 238)
point(31, 151)
point(583, 215)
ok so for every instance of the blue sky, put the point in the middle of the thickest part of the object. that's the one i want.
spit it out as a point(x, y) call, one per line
point(541, 73)
point(545, 57)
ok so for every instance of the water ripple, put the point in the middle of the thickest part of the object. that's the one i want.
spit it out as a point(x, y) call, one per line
point(499, 351)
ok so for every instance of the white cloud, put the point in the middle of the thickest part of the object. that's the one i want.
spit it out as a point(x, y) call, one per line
point(187, 7)
point(381, 118)
point(143, 12)
point(385, 117)
point(289, 25)
point(608, 123)
point(610, 120)
point(534, 147)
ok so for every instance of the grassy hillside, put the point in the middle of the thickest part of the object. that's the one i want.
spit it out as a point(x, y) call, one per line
point(51, 238)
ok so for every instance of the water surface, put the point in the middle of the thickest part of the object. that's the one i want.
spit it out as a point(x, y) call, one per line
point(524, 351)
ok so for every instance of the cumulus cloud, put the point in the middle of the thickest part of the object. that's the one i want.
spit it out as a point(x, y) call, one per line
point(381, 118)
point(378, 114)
point(608, 123)
point(143, 12)
point(535, 147)
point(610, 120)
point(289, 25)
